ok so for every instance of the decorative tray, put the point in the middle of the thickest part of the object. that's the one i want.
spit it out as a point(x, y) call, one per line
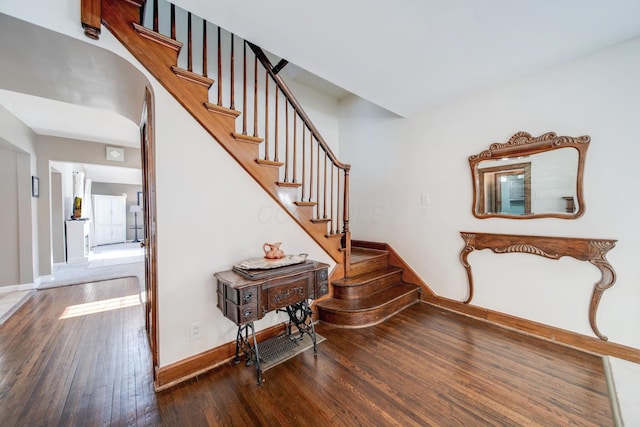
point(266, 264)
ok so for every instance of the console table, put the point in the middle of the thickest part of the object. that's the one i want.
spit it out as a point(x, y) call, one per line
point(247, 296)
point(592, 250)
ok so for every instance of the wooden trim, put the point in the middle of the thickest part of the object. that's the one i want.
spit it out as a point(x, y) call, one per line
point(136, 3)
point(192, 77)
point(288, 184)
point(229, 112)
point(157, 37)
point(592, 250)
point(539, 330)
point(185, 369)
point(91, 17)
point(246, 138)
point(495, 172)
point(408, 274)
point(270, 163)
point(320, 220)
point(151, 247)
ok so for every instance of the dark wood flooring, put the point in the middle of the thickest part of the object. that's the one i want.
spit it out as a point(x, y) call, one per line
point(421, 367)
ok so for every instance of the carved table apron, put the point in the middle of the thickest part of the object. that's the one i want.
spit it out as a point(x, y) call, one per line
point(592, 250)
point(243, 301)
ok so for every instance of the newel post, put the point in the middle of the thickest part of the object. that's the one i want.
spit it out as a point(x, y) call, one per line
point(91, 17)
point(345, 217)
point(346, 244)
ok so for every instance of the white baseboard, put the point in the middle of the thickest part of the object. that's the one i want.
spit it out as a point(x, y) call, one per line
point(14, 288)
point(40, 279)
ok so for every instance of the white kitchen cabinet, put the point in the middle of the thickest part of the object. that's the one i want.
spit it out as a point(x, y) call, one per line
point(110, 219)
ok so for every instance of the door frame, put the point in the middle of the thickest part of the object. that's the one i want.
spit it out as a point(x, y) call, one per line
point(149, 241)
point(488, 187)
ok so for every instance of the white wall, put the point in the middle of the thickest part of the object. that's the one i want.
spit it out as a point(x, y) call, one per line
point(322, 110)
point(57, 218)
point(396, 160)
point(210, 213)
point(19, 139)
point(9, 250)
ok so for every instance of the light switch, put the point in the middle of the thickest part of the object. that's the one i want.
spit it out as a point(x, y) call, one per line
point(425, 199)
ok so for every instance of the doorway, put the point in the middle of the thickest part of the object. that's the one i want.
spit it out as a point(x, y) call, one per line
point(507, 189)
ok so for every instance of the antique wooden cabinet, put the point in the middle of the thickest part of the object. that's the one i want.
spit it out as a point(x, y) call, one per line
point(245, 296)
point(243, 299)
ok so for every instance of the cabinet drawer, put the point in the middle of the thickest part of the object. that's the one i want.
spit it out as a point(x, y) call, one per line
point(294, 290)
point(221, 303)
point(322, 283)
point(242, 296)
point(241, 314)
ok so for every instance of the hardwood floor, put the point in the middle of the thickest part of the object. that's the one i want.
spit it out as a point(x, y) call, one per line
point(422, 367)
point(91, 369)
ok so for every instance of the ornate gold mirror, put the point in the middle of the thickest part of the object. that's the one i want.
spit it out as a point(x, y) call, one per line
point(530, 177)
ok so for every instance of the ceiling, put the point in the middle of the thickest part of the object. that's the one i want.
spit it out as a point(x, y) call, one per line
point(405, 55)
point(60, 86)
point(409, 55)
point(46, 116)
point(103, 173)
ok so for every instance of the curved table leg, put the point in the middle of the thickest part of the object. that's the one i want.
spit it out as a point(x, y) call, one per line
point(608, 279)
point(464, 253)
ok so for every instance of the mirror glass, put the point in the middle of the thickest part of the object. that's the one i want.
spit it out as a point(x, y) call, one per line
point(530, 177)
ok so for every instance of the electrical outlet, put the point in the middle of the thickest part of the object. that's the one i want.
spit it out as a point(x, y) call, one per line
point(195, 332)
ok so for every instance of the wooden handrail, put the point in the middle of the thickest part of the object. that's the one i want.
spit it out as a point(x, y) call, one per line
point(296, 105)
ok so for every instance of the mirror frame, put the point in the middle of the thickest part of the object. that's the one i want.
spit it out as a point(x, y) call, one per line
point(523, 144)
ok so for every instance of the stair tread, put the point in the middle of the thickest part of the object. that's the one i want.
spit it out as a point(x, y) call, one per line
point(320, 220)
point(214, 108)
point(158, 37)
point(365, 254)
point(370, 302)
point(269, 163)
point(367, 277)
point(192, 77)
point(246, 138)
point(288, 184)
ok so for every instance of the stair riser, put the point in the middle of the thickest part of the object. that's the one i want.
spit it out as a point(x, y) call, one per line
point(377, 263)
point(371, 317)
point(355, 291)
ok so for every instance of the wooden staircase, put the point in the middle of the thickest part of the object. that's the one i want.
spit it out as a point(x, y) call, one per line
point(372, 292)
point(306, 190)
point(299, 172)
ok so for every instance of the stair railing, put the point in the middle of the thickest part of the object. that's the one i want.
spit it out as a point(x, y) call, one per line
point(270, 112)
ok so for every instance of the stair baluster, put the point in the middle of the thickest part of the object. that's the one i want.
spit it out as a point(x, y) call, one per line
point(190, 44)
point(255, 97)
point(204, 49)
point(219, 68)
